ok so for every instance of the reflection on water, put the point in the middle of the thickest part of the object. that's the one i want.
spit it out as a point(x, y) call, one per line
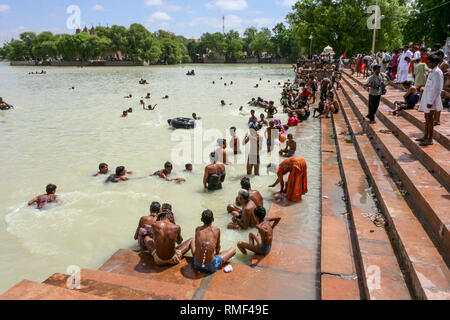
point(56, 135)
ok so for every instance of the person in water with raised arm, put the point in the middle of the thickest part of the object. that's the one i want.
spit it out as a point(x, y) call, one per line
point(214, 174)
point(264, 239)
point(166, 235)
point(168, 167)
point(42, 200)
point(144, 227)
point(245, 218)
point(206, 247)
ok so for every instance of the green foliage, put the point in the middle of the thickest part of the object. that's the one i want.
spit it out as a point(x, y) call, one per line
point(17, 50)
point(437, 26)
point(170, 52)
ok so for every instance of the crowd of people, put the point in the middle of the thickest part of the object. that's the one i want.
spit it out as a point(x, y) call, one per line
point(423, 73)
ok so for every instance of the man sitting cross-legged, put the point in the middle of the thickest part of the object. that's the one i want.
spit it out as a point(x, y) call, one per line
point(206, 247)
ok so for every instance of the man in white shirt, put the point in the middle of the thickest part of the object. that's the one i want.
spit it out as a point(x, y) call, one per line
point(431, 101)
point(403, 65)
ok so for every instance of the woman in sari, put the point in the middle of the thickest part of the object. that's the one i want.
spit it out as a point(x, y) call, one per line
point(297, 184)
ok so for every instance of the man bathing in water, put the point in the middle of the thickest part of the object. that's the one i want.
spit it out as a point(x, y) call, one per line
point(206, 247)
point(291, 147)
point(245, 218)
point(234, 140)
point(148, 96)
point(270, 134)
point(256, 144)
point(149, 108)
point(214, 174)
point(129, 96)
point(194, 116)
point(144, 227)
point(221, 152)
point(167, 171)
point(102, 169)
point(49, 197)
point(124, 114)
point(255, 196)
point(165, 237)
point(4, 105)
point(264, 240)
point(119, 176)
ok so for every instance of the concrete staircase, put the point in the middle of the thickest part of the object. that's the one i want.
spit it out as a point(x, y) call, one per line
point(408, 258)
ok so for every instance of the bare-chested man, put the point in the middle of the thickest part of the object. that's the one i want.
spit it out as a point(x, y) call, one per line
point(291, 147)
point(234, 140)
point(168, 167)
point(206, 247)
point(221, 151)
point(264, 240)
point(256, 144)
point(4, 105)
point(255, 196)
point(42, 200)
point(165, 237)
point(270, 134)
point(325, 85)
point(245, 218)
point(214, 174)
point(144, 227)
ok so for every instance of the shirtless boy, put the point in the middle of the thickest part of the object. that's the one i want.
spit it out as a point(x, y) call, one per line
point(255, 196)
point(291, 147)
point(206, 247)
point(144, 227)
point(245, 218)
point(42, 200)
point(119, 176)
point(165, 172)
point(102, 169)
point(264, 240)
point(271, 133)
point(165, 237)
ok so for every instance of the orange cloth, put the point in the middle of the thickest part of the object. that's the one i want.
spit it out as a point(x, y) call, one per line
point(297, 184)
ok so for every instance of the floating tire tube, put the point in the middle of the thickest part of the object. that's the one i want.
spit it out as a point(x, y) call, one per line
point(7, 108)
point(183, 123)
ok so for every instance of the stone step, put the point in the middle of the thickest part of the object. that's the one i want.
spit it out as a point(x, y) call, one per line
point(427, 274)
point(339, 280)
point(382, 277)
point(30, 290)
point(436, 158)
point(121, 287)
point(426, 195)
point(441, 133)
point(140, 264)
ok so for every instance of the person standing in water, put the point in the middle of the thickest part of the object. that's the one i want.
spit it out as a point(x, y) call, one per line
point(264, 240)
point(214, 174)
point(234, 140)
point(206, 247)
point(42, 200)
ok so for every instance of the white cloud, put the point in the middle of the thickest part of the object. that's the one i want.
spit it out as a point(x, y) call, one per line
point(98, 7)
point(159, 16)
point(151, 3)
point(227, 5)
point(4, 8)
point(173, 8)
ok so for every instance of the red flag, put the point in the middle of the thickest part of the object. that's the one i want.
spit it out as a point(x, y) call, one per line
point(345, 54)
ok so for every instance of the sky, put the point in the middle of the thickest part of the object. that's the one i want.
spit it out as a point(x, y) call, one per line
point(189, 18)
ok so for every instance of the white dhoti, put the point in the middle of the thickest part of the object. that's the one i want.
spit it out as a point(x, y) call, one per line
point(402, 74)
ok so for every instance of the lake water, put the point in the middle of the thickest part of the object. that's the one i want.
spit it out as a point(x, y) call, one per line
point(56, 135)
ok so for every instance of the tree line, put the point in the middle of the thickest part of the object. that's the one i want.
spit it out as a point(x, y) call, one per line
point(339, 23)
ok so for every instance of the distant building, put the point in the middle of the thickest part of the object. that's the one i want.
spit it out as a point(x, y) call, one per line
point(86, 30)
point(195, 39)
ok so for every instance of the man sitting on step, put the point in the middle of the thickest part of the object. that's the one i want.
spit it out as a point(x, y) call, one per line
point(165, 237)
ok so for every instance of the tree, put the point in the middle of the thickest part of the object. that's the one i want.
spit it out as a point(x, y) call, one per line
point(45, 45)
point(170, 51)
point(215, 42)
point(118, 36)
point(234, 46)
point(142, 45)
point(29, 39)
point(17, 50)
point(429, 13)
point(249, 36)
